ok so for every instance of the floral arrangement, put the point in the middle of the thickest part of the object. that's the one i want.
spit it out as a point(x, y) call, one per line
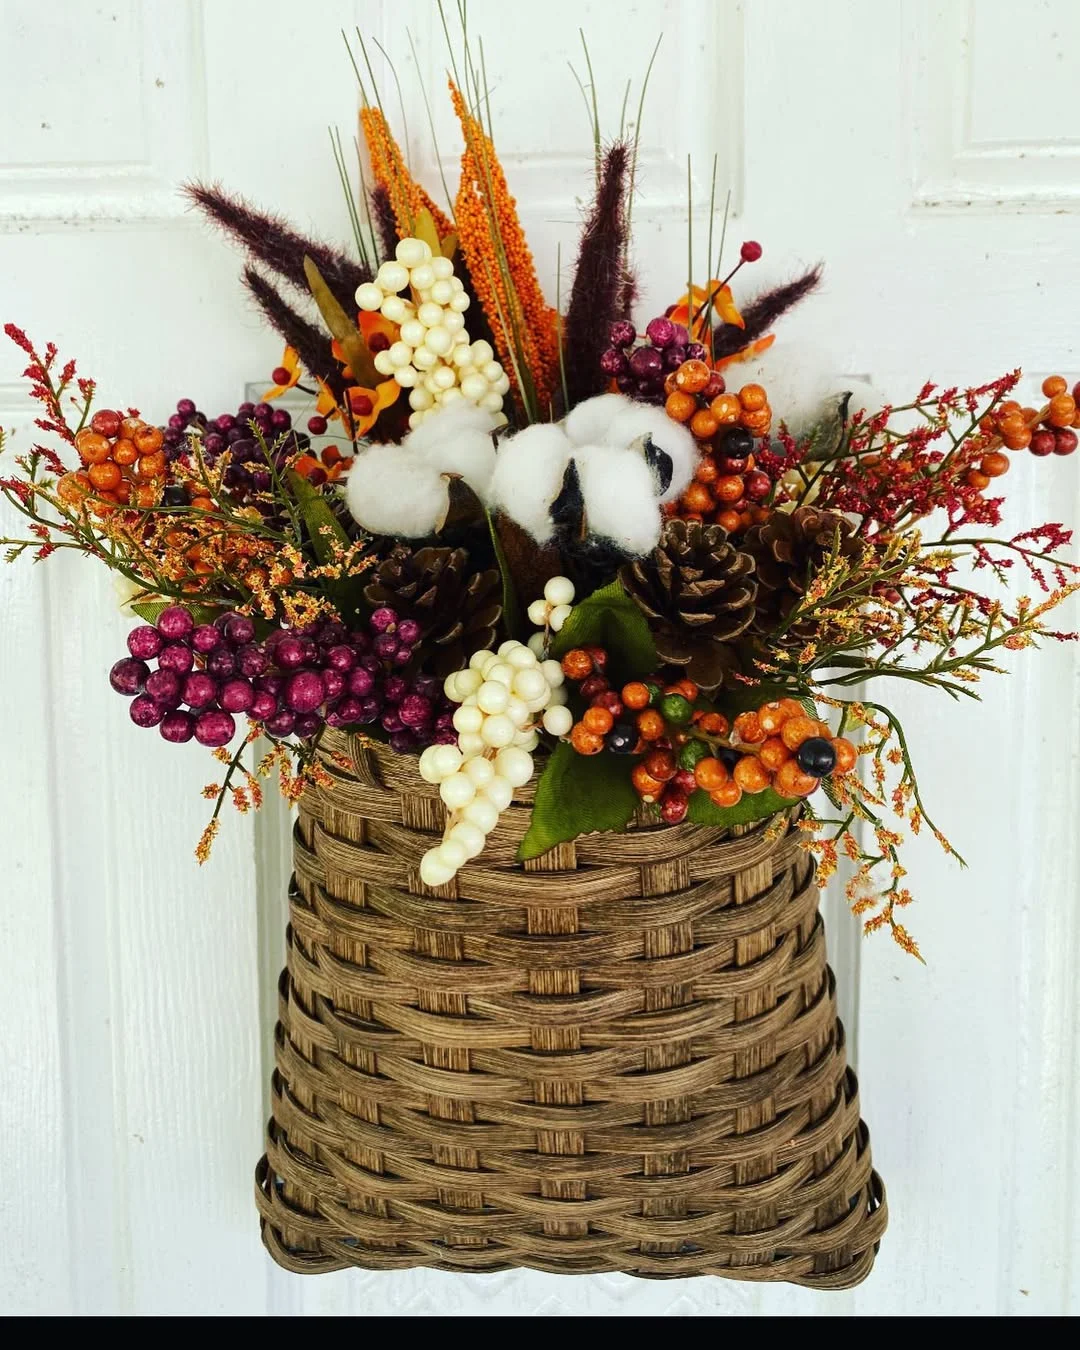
point(527, 540)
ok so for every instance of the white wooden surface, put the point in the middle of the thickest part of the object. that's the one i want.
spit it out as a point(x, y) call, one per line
point(929, 152)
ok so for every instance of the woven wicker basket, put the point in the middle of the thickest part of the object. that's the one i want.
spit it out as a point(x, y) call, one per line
point(623, 1056)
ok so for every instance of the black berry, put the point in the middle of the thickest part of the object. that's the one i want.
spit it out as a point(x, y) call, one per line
point(622, 738)
point(737, 443)
point(816, 756)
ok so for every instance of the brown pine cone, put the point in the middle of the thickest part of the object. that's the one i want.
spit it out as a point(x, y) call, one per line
point(697, 591)
point(457, 610)
point(787, 548)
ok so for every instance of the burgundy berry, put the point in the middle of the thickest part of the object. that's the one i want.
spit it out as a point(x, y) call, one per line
point(674, 356)
point(262, 411)
point(625, 383)
point(757, 485)
point(214, 728)
point(305, 691)
point(402, 742)
point(177, 423)
point(370, 708)
point(245, 409)
point(622, 333)
point(1043, 443)
point(341, 658)
point(289, 653)
point(317, 425)
point(144, 642)
point(221, 664)
point(239, 630)
point(177, 727)
point(1064, 441)
point(361, 682)
point(661, 332)
point(684, 781)
point(386, 646)
point(199, 690)
point(281, 724)
point(186, 407)
point(349, 711)
point(391, 720)
point(176, 657)
point(333, 683)
point(682, 334)
point(715, 387)
point(447, 736)
point(307, 725)
point(175, 623)
point(281, 419)
point(613, 362)
point(428, 686)
point(164, 688)
point(252, 661)
point(271, 684)
point(205, 638)
point(384, 620)
point(144, 712)
point(728, 464)
point(263, 706)
point(415, 711)
point(213, 444)
point(225, 423)
point(696, 351)
point(237, 696)
point(402, 656)
point(750, 251)
point(595, 684)
point(673, 807)
point(646, 361)
point(409, 632)
point(129, 676)
point(395, 689)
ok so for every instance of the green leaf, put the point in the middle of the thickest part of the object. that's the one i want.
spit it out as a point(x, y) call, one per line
point(753, 806)
point(511, 607)
point(578, 794)
point(353, 347)
point(609, 618)
point(151, 610)
point(317, 516)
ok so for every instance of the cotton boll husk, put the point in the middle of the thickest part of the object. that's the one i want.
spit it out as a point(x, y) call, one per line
point(803, 385)
point(588, 423)
point(529, 469)
point(391, 491)
point(632, 423)
point(620, 497)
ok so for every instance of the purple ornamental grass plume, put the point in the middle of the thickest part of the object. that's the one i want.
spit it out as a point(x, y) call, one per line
point(384, 220)
point(763, 311)
point(601, 286)
point(311, 343)
point(271, 240)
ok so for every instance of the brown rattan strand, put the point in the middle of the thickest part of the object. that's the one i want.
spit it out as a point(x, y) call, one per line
point(622, 1056)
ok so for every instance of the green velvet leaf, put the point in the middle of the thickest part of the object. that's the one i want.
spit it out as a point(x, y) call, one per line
point(319, 520)
point(609, 618)
point(511, 608)
point(578, 794)
point(151, 610)
point(753, 806)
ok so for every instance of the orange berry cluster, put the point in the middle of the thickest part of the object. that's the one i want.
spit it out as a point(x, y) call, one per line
point(1046, 432)
point(683, 748)
point(727, 489)
point(123, 460)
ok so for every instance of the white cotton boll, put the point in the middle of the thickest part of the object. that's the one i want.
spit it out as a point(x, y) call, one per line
point(620, 497)
point(389, 491)
point(529, 469)
point(803, 385)
point(631, 424)
point(587, 424)
point(458, 440)
point(369, 297)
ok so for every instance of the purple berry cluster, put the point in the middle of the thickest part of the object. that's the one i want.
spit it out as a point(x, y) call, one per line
point(640, 371)
point(292, 683)
point(248, 475)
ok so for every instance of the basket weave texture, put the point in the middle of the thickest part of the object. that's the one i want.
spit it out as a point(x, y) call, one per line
point(622, 1056)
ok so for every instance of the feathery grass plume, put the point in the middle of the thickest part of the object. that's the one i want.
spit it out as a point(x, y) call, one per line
point(763, 311)
point(502, 269)
point(270, 239)
point(310, 342)
point(407, 197)
point(384, 220)
point(599, 281)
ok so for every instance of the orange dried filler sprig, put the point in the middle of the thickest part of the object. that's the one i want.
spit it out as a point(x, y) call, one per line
point(407, 197)
point(503, 272)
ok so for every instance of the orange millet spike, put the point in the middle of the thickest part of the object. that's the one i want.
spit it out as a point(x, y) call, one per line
point(482, 196)
point(407, 197)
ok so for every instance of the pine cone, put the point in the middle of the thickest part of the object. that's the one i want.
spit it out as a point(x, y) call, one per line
point(787, 548)
point(457, 610)
point(697, 592)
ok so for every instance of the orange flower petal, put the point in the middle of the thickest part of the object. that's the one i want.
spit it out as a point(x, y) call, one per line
point(745, 353)
point(290, 361)
point(724, 305)
point(383, 396)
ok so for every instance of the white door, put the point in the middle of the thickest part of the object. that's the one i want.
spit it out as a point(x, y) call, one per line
point(928, 151)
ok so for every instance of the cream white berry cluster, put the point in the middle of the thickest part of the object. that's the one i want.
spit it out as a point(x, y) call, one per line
point(505, 698)
point(433, 357)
